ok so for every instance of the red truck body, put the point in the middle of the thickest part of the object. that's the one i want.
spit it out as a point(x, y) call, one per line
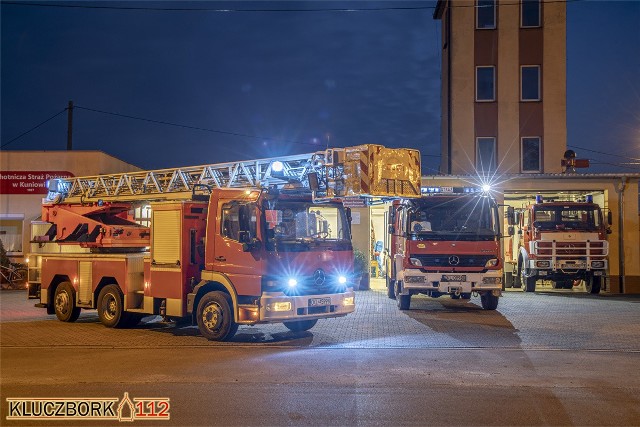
point(561, 241)
point(445, 244)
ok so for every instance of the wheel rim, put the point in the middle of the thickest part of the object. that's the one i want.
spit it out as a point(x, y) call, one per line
point(62, 302)
point(109, 307)
point(212, 316)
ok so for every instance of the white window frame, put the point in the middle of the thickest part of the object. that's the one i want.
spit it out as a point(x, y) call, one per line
point(15, 217)
point(539, 170)
point(539, 98)
point(539, 15)
point(495, 7)
point(493, 94)
point(494, 165)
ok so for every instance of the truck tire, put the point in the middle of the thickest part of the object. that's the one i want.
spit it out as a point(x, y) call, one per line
point(593, 284)
point(489, 301)
point(300, 325)
point(507, 280)
point(64, 303)
point(215, 317)
point(528, 283)
point(391, 292)
point(404, 302)
point(111, 308)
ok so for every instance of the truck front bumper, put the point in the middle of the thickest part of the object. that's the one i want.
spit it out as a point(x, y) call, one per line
point(278, 307)
point(559, 267)
point(451, 283)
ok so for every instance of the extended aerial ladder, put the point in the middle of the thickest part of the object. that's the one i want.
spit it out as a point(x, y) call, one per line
point(93, 210)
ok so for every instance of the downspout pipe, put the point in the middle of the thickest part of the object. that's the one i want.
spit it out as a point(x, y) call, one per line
point(620, 190)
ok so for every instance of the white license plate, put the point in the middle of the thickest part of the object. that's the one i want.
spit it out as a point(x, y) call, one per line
point(454, 277)
point(317, 302)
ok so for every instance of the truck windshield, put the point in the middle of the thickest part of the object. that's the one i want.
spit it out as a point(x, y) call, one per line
point(464, 218)
point(570, 217)
point(299, 225)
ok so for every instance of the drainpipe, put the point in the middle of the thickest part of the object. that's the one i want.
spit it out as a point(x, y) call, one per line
point(449, 108)
point(620, 190)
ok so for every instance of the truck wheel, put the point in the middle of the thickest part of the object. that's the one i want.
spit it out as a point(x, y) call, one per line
point(64, 303)
point(593, 284)
point(528, 283)
point(489, 301)
point(300, 325)
point(391, 292)
point(404, 301)
point(110, 307)
point(507, 280)
point(215, 317)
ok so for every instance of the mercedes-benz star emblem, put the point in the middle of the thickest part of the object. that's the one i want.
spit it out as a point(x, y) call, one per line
point(318, 277)
point(454, 260)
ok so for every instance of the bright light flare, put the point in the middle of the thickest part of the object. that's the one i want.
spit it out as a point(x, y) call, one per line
point(292, 283)
point(342, 280)
point(277, 166)
point(486, 188)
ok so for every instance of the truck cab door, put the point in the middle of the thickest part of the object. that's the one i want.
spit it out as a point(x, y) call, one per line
point(237, 248)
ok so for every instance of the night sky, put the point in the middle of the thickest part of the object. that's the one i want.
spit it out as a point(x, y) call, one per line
point(262, 84)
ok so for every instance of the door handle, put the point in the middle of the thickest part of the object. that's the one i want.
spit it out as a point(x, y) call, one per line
point(220, 258)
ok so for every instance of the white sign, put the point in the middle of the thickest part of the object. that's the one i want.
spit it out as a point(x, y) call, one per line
point(355, 217)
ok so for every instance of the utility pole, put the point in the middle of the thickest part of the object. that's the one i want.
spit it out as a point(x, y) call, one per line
point(70, 126)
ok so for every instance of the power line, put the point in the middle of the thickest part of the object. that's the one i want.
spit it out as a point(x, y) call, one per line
point(193, 127)
point(33, 128)
point(227, 10)
point(602, 152)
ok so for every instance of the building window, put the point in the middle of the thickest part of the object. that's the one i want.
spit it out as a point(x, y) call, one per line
point(485, 83)
point(531, 154)
point(530, 83)
point(11, 233)
point(530, 13)
point(485, 14)
point(485, 154)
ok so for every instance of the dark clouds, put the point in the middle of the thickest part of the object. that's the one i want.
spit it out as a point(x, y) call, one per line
point(359, 77)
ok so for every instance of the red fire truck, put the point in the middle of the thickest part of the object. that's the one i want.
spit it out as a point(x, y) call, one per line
point(445, 243)
point(561, 241)
point(227, 244)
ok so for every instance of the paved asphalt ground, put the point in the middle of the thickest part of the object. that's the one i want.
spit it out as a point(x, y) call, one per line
point(549, 358)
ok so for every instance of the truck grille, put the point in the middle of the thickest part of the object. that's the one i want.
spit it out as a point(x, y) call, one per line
point(450, 260)
point(585, 249)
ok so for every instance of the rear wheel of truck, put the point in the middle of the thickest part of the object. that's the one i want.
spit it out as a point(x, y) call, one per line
point(215, 317)
point(64, 303)
point(111, 308)
point(489, 301)
point(593, 284)
point(300, 325)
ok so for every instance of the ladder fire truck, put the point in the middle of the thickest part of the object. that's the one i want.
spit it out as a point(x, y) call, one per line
point(445, 243)
point(561, 241)
point(225, 245)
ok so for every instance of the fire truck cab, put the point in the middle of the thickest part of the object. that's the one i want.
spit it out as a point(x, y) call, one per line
point(561, 241)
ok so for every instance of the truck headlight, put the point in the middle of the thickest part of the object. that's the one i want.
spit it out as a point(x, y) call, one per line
point(414, 279)
point(415, 261)
point(597, 264)
point(348, 301)
point(543, 264)
point(492, 262)
point(279, 306)
point(342, 280)
point(492, 280)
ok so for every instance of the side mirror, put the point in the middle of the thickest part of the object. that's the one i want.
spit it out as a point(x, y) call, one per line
point(610, 218)
point(511, 230)
point(392, 229)
point(511, 217)
point(249, 243)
